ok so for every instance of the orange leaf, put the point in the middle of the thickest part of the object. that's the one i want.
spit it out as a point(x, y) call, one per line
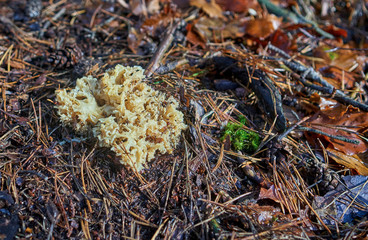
point(193, 37)
point(269, 194)
point(264, 27)
point(353, 162)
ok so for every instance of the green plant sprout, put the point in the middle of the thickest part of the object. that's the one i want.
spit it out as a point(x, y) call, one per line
point(241, 139)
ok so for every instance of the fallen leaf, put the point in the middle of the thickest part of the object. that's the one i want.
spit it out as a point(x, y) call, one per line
point(346, 60)
point(269, 194)
point(208, 6)
point(193, 37)
point(341, 121)
point(281, 40)
point(238, 6)
point(337, 77)
point(154, 25)
point(263, 27)
point(337, 32)
point(215, 29)
point(353, 161)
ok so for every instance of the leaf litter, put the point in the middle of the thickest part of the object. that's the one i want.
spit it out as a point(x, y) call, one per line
point(298, 88)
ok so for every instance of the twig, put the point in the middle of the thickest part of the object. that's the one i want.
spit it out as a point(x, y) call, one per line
point(293, 17)
point(12, 27)
point(165, 44)
point(337, 137)
point(170, 66)
point(48, 23)
point(287, 131)
point(313, 75)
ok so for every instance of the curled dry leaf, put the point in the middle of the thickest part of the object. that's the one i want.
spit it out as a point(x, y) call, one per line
point(354, 161)
point(270, 193)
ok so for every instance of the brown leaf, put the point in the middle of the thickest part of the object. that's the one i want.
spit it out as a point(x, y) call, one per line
point(337, 77)
point(337, 32)
point(193, 37)
point(281, 40)
point(341, 121)
point(210, 7)
point(209, 28)
point(269, 194)
point(263, 27)
point(353, 161)
point(238, 6)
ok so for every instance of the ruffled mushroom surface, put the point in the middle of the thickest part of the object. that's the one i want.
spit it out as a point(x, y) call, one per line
point(123, 113)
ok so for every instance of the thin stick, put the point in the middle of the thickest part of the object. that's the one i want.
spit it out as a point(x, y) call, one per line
point(165, 44)
point(337, 137)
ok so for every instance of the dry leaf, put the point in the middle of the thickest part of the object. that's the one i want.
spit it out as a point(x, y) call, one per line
point(263, 27)
point(238, 6)
point(281, 40)
point(193, 37)
point(341, 121)
point(337, 77)
point(210, 7)
point(269, 194)
point(353, 161)
point(209, 28)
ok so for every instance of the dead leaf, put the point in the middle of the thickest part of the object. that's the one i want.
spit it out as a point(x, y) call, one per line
point(154, 25)
point(341, 121)
point(339, 78)
point(337, 32)
point(353, 161)
point(193, 37)
point(263, 27)
point(238, 6)
point(346, 60)
point(281, 40)
point(208, 6)
point(269, 194)
point(215, 29)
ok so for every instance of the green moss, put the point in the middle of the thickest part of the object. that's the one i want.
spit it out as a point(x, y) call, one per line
point(241, 139)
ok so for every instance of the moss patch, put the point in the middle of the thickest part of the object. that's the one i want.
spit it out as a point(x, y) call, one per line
point(241, 139)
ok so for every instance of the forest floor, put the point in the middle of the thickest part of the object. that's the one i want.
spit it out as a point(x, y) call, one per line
point(274, 97)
